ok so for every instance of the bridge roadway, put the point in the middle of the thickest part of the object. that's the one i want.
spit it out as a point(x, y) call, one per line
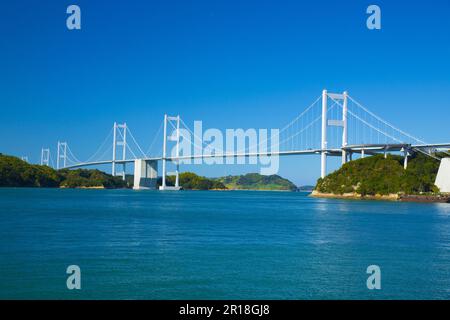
point(217, 155)
point(368, 149)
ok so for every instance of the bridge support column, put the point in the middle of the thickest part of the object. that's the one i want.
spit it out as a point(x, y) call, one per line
point(177, 172)
point(164, 171)
point(443, 176)
point(323, 164)
point(405, 160)
point(175, 139)
point(118, 142)
point(344, 156)
point(61, 154)
point(113, 169)
point(323, 160)
point(344, 127)
point(363, 155)
point(145, 174)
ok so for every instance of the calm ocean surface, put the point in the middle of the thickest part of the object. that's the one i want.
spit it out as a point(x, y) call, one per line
point(219, 245)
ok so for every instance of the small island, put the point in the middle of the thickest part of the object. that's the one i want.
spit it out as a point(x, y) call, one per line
point(255, 181)
point(377, 177)
point(249, 181)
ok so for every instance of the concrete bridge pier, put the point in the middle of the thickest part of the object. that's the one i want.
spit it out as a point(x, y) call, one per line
point(145, 174)
point(405, 159)
point(443, 176)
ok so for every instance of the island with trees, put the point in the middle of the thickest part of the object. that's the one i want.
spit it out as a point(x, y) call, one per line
point(255, 181)
point(249, 181)
point(377, 177)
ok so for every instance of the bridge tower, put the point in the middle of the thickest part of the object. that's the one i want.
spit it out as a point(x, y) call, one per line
point(173, 137)
point(323, 156)
point(121, 131)
point(45, 157)
point(61, 154)
point(333, 122)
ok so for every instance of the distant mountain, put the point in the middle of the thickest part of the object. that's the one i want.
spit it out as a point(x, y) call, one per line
point(255, 181)
point(306, 188)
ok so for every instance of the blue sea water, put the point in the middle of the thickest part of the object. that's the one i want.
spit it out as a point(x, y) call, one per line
point(219, 245)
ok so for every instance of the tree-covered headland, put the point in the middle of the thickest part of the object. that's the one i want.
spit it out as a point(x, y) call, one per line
point(376, 175)
point(15, 172)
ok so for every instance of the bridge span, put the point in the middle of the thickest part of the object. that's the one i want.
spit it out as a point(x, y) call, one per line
point(334, 125)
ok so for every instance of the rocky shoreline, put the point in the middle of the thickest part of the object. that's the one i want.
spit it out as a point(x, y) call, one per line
point(437, 198)
point(85, 187)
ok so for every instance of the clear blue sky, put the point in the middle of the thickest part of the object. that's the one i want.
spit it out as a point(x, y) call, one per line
point(250, 64)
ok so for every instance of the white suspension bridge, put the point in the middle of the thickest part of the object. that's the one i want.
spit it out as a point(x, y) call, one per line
point(334, 125)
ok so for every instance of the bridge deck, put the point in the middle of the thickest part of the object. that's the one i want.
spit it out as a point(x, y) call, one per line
point(368, 149)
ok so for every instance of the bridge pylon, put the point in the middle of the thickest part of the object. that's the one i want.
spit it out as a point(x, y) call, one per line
point(174, 137)
point(61, 154)
point(333, 122)
point(119, 139)
point(323, 155)
point(45, 157)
